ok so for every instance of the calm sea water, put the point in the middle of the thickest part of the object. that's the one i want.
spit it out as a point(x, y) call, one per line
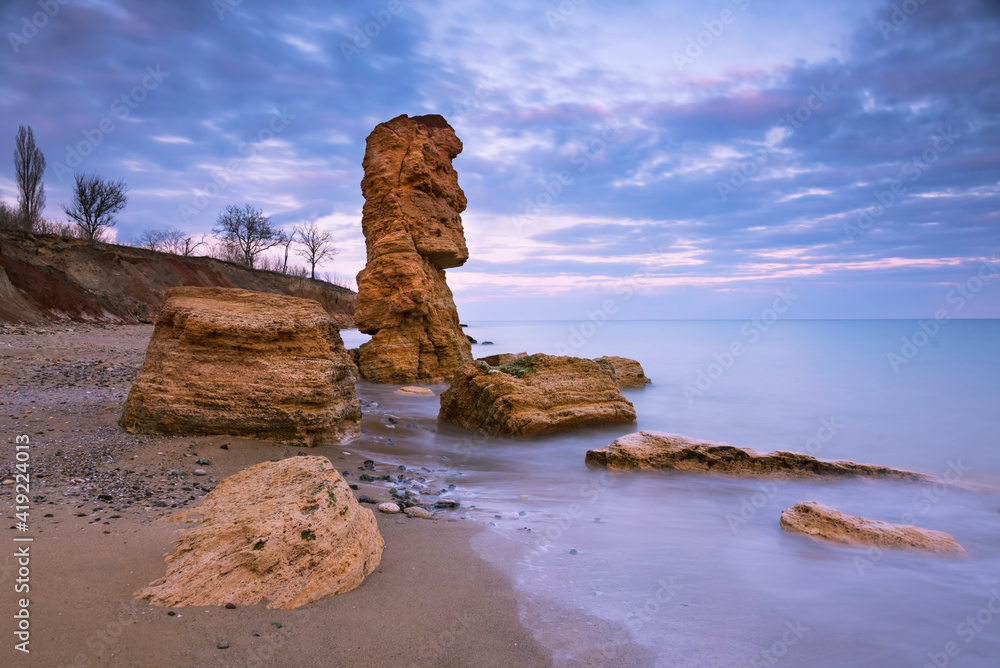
point(695, 568)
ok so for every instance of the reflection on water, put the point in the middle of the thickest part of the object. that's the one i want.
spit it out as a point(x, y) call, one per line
point(696, 567)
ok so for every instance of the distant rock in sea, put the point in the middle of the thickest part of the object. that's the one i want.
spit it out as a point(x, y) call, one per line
point(649, 450)
point(625, 372)
point(289, 532)
point(413, 232)
point(251, 364)
point(533, 395)
point(821, 522)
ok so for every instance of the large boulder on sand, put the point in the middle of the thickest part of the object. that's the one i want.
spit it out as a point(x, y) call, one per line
point(413, 232)
point(821, 522)
point(252, 364)
point(533, 395)
point(625, 372)
point(290, 532)
point(646, 450)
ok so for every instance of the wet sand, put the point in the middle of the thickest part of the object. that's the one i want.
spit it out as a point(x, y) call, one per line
point(432, 602)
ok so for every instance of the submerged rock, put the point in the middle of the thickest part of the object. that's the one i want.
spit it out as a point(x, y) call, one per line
point(288, 531)
point(416, 391)
point(251, 364)
point(533, 395)
point(624, 371)
point(413, 232)
point(821, 522)
point(645, 450)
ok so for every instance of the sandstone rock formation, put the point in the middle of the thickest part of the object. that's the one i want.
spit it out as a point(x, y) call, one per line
point(289, 531)
point(413, 232)
point(625, 372)
point(533, 395)
point(821, 522)
point(646, 450)
point(501, 359)
point(227, 361)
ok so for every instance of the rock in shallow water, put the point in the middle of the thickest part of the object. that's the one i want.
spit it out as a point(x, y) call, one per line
point(534, 395)
point(821, 522)
point(227, 361)
point(647, 450)
point(624, 371)
point(416, 391)
point(288, 531)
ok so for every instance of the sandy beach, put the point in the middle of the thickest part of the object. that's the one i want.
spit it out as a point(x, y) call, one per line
point(98, 493)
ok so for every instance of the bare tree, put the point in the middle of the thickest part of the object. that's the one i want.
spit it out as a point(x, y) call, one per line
point(29, 164)
point(316, 245)
point(285, 239)
point(95, 203)
point(248, 229)
point(10, 218)
point(151, 240)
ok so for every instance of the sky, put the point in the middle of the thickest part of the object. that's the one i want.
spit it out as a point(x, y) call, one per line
point(641, 160)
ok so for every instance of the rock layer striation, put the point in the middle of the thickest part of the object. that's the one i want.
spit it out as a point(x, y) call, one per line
point(821, 522)
point(646, 450)
point(534, 395)
point(413, 232)
point(229, 361)
point(289, 532)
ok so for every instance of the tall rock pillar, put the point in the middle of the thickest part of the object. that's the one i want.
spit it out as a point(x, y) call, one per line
point(413, 232)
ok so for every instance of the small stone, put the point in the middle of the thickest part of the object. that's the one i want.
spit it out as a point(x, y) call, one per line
point(171, 613)
point(416, 391)
point(448, 504)
point(230, 606)
point(200, 472)
point(388, 507)
point(224, 446)
point(276, 625)
point(223, 645)
point(203, 462)
point(422, 513)
point(368, 465)
point(574, 551)
point(8, 481)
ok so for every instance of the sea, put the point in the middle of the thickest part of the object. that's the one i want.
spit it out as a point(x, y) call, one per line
point(695, 568)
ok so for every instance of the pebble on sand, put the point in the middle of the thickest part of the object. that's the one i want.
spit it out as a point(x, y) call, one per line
point(422, 513)
point(388, 507)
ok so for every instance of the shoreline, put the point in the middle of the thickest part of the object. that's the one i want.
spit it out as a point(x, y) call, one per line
point(432, 601)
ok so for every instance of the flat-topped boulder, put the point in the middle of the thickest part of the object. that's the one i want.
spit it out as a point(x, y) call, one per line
point(242, 363)
point(288, 532)
point(535, 394)
point(625, 372)
point(649, 450)
point(821, 522)
point(413, 232)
